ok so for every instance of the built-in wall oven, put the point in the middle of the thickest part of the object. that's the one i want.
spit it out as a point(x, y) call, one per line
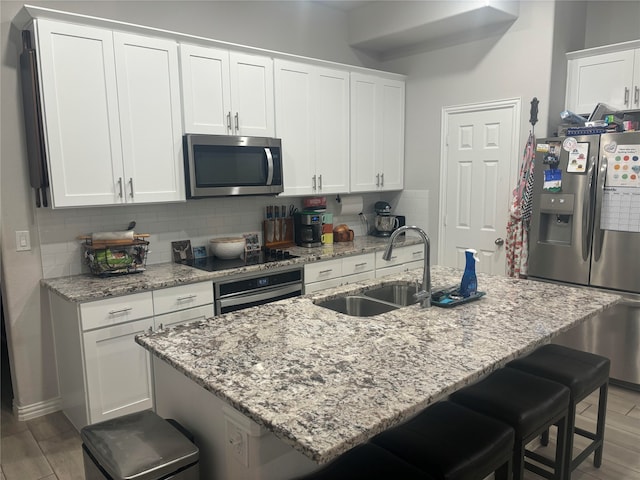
point(250, 291)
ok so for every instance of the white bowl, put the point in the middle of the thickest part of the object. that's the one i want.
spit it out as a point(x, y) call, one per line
point(227, 247)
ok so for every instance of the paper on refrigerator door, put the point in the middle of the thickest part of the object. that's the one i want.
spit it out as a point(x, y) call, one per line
point(620, 209)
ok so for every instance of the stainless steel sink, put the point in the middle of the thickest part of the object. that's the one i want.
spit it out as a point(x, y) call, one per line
point(400, 294)
point(358, 305)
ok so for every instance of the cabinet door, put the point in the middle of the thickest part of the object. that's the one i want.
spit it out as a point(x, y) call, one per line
point(363, 133)
point(80, 109)
point(118, 371)
point(294, 125)
point(601, 78)
point(206, 90)
point(636, 81)
point(252, 102)
point(391, 134)
point(149, 100)
point(331, 117)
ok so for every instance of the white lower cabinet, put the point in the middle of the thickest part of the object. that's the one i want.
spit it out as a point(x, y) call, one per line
point(341, 271)
point(402, 259)
point(102, 372)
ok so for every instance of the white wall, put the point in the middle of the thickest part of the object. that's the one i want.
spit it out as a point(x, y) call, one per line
point(303, 28)
point(611, 21)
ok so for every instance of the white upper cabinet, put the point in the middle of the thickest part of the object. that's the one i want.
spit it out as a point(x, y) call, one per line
point(111, 116)
point(312, 119)
point(612, 78)
point(377, 133)
point(226, 93)
point(149, 100)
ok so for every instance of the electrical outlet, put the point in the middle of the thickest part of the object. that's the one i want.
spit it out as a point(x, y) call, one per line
point(237, 441)
point(23, 241)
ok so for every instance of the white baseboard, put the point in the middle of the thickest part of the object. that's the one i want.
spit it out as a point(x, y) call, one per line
point(35, 410)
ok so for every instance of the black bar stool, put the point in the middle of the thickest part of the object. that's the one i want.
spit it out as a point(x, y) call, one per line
point(528, 403)
point(582, 373)
point(451, 442)
point(367, 462)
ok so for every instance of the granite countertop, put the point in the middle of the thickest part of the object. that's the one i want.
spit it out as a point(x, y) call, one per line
point(87, 287)
point(323, 382)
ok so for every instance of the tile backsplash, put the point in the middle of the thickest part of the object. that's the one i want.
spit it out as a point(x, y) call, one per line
point(196, 220)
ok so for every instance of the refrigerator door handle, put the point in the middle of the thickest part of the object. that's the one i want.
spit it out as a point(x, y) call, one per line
point(598, 233)
point(587, 209)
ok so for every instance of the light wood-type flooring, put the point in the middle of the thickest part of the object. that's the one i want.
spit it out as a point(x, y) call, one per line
point(49, 448)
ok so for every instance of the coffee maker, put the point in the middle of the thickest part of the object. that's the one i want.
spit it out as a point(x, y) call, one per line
point(308, 229)
point(385, 223)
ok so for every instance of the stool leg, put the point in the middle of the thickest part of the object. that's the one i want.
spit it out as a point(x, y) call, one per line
point(504, 472)
point(602, 413)
point(561, 472)
point(568, 444)
point(544, 438)
point(518, 460)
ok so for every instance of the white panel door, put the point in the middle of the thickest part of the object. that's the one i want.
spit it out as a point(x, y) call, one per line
point(603, 78)
point(479, 156)
point(331, 117)
point(118, 371)
point(149, 99)
point(294, 125)
point(80, 109)
point(364, 116)
point(206, 90)
point(252, 102)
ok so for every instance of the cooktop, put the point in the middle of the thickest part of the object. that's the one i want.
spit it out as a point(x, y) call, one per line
point(214, 264)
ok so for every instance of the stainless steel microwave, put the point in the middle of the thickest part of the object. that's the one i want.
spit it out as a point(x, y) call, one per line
point(223, 165)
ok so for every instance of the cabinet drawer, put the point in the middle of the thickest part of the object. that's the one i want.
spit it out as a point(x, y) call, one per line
point(102, 313)
point(323, 285)
point(185, 296)
point(318, 271)
point(174, 319)
point(401, 255)
point(358, 264)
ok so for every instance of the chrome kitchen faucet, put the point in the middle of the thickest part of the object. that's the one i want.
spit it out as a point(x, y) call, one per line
point(424, 294)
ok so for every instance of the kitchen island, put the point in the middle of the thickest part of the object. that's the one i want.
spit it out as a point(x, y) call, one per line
point(276, 390)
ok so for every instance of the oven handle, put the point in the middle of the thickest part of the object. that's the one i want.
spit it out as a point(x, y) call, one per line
point(258, 297)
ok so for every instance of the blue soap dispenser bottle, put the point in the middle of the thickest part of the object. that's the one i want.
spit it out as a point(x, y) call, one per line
point(469, 284)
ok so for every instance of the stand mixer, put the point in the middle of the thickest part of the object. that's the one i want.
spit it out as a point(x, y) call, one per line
point(384, 223)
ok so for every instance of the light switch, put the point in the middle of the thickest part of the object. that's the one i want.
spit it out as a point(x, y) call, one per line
point(23, 241)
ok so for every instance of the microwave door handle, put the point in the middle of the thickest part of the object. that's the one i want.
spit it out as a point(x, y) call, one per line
point(267, 152)
point(598, 233)
point(587, 211)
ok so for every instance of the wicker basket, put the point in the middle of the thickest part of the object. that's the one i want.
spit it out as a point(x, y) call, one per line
point(107, 258)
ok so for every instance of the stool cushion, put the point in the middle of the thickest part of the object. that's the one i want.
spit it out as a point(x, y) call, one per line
point(522, 400)
point(366, 462)
point(450, 441)
point(582, 372)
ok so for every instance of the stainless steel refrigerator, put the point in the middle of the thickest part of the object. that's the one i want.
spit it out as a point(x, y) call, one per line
point(585, 230)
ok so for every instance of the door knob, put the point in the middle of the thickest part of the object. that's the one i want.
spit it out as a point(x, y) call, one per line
point(499, 241)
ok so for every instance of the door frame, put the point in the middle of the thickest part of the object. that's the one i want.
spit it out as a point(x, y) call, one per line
point(515, 104)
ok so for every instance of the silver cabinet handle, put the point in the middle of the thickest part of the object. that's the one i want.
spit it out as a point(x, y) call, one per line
point(360, 264)
point(229, 121)
point(121, 310)
point(626, 96)
point(419, 252)
point(326, 271)
point(377, 180)
point(120, 185)
point(382, 179)
point(267, 152)
point(636, 95)
point(499, 241)
point(320, 182)
point(186, 297)
point(237, 122)
point(314, 182)
point(131, 185)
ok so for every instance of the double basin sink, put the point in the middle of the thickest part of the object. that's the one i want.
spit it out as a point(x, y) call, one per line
point(374, 302)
